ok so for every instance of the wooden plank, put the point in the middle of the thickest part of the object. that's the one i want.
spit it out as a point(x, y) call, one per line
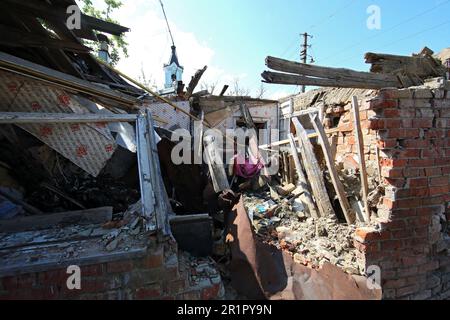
point(313, 171)
point(325, 72)
point(13, 37)
point(302, 182)
point(362, 158)
point(287, 141)
point(422, 65)
point(35, 117)
point(35, 71)
point(162, 206)
point(45, 221)
point(145, 173)
point(292, 79)
point(291, 169)
point(194, 82)
point(338, 186)
point(23, 204)
point(215, 164)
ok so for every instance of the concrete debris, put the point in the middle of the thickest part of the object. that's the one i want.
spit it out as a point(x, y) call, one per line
point(313, 242)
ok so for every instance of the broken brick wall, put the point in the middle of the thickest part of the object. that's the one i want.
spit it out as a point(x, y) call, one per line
point(159, 274)
point(411, 245)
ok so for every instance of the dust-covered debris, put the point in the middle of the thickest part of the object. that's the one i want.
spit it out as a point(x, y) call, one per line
point(311, 241)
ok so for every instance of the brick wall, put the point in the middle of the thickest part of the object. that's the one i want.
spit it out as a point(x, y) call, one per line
point(412, 247)
point(157, 275)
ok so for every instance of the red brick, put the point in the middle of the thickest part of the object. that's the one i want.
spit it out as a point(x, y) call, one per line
point(383, 104)
point(403, 234)
point(391, 113)
point(395, 224)
point(414, 172)
point(392, 123)
point(394, 162)
point(415, 143)
point(364, 235)
point(419, 192)
point(391, 245)
point(442, 161)
point(394, 284)
point(92, 270)
point(412, 261)
point(154, 260)
point(433, 199)
point(408, 203)
point(399, 183)
point(407, 290)
point(431, 153)
point(211, 293)
point(419, 182)
point(430, 172)
point(150, 292)
point(423, 123)
point(387, 143)
point(440, 181)
point(434, 191)
point(391, 173)
point(120, 266)
point(418, 163)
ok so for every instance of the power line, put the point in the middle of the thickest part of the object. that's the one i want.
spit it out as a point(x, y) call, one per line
point(385, 31)
point(334, 14)
point(405, 38)
point(322, 22)
point(167, 22)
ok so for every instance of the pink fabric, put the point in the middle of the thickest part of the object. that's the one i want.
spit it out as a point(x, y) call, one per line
point(246, 168)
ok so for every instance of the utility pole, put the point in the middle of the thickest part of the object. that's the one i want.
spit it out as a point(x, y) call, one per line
point(304, 52)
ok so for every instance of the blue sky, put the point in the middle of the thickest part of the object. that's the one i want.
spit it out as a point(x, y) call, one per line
point(235, 36)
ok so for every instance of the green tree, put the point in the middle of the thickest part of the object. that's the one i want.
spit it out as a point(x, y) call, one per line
point(118, 44)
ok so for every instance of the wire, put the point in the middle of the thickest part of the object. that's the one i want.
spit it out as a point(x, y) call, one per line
point(331, 16)
point(337, 53)
point(167, 22)
point(405, 38)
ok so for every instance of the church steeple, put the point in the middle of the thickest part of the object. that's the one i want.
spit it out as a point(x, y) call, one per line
point(173, 70)
point(174, 57)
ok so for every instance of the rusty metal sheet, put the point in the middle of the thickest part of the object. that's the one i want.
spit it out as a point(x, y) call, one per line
point(261, 271)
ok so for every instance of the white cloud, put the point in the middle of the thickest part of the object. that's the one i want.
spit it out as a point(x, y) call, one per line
point(149, 45)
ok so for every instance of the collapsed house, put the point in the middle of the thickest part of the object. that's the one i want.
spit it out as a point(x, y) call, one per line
point(374, 148)
point(81, 182)
point(358, 209)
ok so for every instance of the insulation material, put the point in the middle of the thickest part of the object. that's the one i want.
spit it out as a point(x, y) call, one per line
point(175, 119)
point(89, 146)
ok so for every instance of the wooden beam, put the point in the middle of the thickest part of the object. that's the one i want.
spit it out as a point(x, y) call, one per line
point(23, 204)
point(422, 65)
point(291, 79)
point(13, 37)
point(325, 72)
point(35, 117)
point(35, 71)
point(338, 186)
point(313, 171)
point(194, 82)
point(302, 182)
point(224, 89)
point(310, 136)
point(43, 221)
point(215, 164)
point(362, 158)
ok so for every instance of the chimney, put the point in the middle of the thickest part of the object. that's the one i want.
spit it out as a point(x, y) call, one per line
point(103, 52)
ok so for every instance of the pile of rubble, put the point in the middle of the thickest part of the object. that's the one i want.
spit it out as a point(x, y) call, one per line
point(311, 241)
